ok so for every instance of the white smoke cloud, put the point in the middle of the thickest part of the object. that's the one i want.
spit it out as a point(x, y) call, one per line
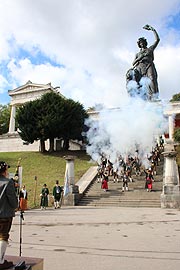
point(133, 126)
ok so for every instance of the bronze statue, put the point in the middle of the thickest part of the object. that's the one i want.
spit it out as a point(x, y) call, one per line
point(143, 67)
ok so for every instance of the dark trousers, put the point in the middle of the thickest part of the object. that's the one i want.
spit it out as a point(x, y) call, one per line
point(5, 226)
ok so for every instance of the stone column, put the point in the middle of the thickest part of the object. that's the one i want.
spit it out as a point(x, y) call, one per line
point(70, 168)
point(12, 120)
point(171, 126)
point(170, 198)
point(71, 191)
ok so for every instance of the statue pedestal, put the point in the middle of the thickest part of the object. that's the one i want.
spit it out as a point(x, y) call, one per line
point(31, 263)
point(170, 198)
point(72, 197)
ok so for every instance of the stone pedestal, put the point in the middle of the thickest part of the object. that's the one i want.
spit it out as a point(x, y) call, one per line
point(71, 191)
point(170, 198)
point(32, 263)
point(72, 197)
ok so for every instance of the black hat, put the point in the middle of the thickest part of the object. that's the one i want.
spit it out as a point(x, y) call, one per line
point(3, 166)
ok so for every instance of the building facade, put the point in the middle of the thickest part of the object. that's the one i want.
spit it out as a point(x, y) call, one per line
point(12, 142)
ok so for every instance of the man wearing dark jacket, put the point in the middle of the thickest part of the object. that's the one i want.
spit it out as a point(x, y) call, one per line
point(8, 204)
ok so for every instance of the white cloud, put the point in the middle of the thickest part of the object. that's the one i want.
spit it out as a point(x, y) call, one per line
point(95, 40)
point(168, 65)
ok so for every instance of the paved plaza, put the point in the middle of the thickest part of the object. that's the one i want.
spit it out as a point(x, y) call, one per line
point(82, 238)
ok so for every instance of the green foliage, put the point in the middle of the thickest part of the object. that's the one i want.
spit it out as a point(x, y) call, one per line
point(177, 135)
point(4, 118)
point(29, 121)
point(73, 120)
point(175, 97)
point(53, 110)
point(51, 117)
point(47, 167)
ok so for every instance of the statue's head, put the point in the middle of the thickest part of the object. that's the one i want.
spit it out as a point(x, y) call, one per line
point(142, 41)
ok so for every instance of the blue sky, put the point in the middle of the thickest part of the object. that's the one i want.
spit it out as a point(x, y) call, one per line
point(174, 22)
point(86, 46)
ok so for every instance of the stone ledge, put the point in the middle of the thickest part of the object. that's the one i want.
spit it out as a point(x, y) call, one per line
point(86, 179)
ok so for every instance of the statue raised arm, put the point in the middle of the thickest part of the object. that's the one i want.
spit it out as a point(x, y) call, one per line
point(143, 65)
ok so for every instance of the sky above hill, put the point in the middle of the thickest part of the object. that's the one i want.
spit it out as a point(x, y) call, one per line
point(86, 46)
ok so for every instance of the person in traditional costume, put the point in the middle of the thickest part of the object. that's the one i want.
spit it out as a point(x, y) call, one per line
point(23, 198)
point(57, 191)
point(99, 173)
point(16, 184)
point(125, 180)
point(149, 180)
point(115, 175)
point(104, 185)
point(8, 204)
point(44, 197)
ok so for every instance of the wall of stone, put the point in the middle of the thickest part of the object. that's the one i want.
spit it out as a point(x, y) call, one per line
point(13, 143)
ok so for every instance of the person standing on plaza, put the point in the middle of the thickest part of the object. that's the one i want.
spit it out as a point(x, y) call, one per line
point(8, 204)
point(44, 197)
point(23, 198)
point(57, 193)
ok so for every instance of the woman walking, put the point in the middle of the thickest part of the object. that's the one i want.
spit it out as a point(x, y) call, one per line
point(23, 199)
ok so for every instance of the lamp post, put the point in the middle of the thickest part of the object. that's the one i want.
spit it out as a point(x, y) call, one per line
point(35, 190)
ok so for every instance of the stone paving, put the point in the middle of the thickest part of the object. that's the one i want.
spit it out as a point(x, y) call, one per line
point(108, 238)
point(102, 238)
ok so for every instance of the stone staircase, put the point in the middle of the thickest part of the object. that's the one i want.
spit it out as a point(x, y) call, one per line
point(137, 196)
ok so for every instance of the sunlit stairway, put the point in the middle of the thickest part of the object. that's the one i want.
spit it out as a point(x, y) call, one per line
point(137, 196)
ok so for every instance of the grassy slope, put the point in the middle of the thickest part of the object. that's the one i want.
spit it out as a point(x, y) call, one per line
point(47, 167)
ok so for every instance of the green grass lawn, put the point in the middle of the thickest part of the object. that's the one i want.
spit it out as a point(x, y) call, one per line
point(48, 168)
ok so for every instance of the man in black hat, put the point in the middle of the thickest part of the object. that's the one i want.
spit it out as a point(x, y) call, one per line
point(57, 190)
point(8, 204)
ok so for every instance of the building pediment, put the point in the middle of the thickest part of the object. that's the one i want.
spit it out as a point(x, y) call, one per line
point(30, 87)
point(29, 92)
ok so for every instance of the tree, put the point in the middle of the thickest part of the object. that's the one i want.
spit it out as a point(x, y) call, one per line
point(175, 97)
point(30, 123)
point(53, 110)
point(4, 118)
point(51, 117)
point(73, 121)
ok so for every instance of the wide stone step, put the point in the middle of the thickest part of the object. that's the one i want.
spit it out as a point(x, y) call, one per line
point(123, 204)
point(137, 196)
